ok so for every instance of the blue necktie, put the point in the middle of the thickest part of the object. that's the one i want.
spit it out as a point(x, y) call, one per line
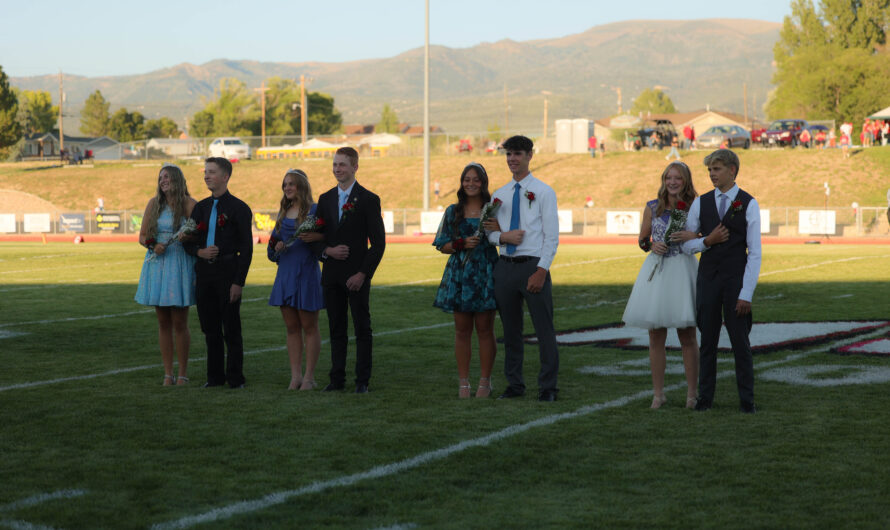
point(723, 199)
point(341, 202)
point(514, 217)
point(211, 229)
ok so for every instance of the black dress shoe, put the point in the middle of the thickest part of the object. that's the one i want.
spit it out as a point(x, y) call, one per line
point(510, 393)
point(332, 388)
point(547, 395)
point(208, 384)
point(747, 407)
point(361, 388)
point(702, 405)
point(237, 386)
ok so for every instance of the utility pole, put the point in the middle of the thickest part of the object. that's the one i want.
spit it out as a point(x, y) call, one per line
point(618, 90)
point(61, 101)
point(262, 90)
point(745, 97)
point(303, 109)
point(506, 111)
point(546, 93)
point(426, 108)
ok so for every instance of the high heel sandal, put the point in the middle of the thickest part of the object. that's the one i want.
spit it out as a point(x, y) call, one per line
point(484, 388)
point(308, 384)
point(690, 402)
point(182, 380)
point(463, 391)
point(295, 384)
point(658, 401)
point(168, 380)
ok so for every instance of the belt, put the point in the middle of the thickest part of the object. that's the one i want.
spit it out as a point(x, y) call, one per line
point(517, 259)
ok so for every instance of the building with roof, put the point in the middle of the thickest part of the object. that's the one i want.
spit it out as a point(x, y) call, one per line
point(47, 145)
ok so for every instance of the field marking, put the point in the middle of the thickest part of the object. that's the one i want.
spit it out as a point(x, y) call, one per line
point(822, 263)
point(66, 267)
point(407, 464)
point(41, 498)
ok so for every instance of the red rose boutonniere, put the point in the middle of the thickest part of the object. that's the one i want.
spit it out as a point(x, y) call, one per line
point(735, 208)
point(348, 207)
point(221, 220)
point(530, 195)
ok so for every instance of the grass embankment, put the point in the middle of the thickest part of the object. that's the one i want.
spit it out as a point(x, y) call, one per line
point(621, 180)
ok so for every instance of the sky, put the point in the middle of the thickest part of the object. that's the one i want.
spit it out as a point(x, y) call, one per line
point(104, 38)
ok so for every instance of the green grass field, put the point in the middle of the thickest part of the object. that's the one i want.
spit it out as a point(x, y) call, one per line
point(90, 438)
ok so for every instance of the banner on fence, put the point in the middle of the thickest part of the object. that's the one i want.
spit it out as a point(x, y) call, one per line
point(108, 222)
point(816, 222)
point(37, 222)
point(72, 222)
point(565, 221)
point(7, 223)
point(764, 221)
point(388, 222)
point(429, 222)
point(263, 222)
point(623, 222)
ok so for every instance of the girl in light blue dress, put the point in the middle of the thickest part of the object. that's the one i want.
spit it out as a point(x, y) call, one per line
point(167, 281)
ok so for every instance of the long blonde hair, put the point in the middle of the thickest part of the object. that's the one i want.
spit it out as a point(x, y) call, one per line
point(303, 200)
point(687, 194)
point(176, 198)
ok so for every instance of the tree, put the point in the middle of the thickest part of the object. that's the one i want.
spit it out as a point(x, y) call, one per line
point(235, 110)
point(10, 128)
point(282, 106)
point(37, 112)
point(201, 125)
point(126, 126)
point(827, 63)
point(162, 127)
point(94, 116)
point(652, 101)
point(389, 122)
point(323, 117)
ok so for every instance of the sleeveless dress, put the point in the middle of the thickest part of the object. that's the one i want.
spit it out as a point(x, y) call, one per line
point(169, 278)
point(465, 288)
point(668, 300)
point(298, 280)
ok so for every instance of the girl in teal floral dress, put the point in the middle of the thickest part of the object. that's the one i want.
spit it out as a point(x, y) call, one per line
point(467, 287)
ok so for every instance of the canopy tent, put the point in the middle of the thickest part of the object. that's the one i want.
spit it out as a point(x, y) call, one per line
point(881, 115)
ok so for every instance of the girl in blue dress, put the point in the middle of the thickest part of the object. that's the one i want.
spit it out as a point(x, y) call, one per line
point(167, 281)
point(297, 288)
point(663, 295)
point(467, 287)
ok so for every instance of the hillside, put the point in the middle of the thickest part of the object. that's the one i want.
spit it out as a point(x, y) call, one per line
point(700, 62)
point(621, 180)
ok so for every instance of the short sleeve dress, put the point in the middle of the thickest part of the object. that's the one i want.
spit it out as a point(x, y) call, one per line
point(668, 299)
point(167, 280)
point(467, 288)
point(298, 280)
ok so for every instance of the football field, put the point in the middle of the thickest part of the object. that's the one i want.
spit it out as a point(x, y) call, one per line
point(90, 438)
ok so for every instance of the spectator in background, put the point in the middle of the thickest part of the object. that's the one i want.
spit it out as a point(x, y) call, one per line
point(820, 139)
point(832, 138)
point(687, 137)
point(603, 149)
point(591, 146)
point(885, 132)
point(692, 129)
point(675, 143)
point(805, 138)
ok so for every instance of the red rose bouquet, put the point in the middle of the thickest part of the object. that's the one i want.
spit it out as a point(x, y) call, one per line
point(677, 223)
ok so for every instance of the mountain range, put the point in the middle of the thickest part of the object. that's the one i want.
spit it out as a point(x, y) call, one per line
point(698, 63)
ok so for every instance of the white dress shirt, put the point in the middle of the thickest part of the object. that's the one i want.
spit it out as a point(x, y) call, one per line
point(538, 218)
point(752, 237)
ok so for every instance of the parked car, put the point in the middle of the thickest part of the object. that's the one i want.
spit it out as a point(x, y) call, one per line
point(757, 135)
point(664, 132)
point(229, 148)
point(784, 132)
point(716, 135)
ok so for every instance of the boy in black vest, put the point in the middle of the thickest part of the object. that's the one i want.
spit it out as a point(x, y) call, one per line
point(727, 274)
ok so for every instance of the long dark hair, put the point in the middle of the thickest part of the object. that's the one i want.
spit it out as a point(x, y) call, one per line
point(462, 195)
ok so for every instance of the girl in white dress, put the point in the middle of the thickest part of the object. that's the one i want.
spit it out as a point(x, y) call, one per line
point(663, 295)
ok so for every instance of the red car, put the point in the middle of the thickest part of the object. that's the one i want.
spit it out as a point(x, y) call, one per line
point(757, 135)
point(784, 132)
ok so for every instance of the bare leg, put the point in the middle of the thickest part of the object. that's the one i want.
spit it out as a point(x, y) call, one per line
point(294, 345)
point(463, 334)
point(309, 320)
point(657, 362)
point(487, 350)
point(165, 341)
point(689, 345)
point(183, 338)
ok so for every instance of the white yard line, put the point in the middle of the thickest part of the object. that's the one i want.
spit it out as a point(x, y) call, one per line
point(822, 264)
point(385, 470)
point(41, 498)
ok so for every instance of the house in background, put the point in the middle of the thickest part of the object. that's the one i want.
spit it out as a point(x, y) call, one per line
point(41, 146)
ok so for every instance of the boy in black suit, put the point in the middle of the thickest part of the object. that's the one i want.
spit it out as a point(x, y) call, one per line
point(727, 275)
point(352, 218)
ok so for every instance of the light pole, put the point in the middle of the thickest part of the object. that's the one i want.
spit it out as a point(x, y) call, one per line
point(546, 93)
point(426, 109)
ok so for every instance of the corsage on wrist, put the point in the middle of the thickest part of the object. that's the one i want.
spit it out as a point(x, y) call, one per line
point(646, 245)
point(459, 244)
point(151, 242)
